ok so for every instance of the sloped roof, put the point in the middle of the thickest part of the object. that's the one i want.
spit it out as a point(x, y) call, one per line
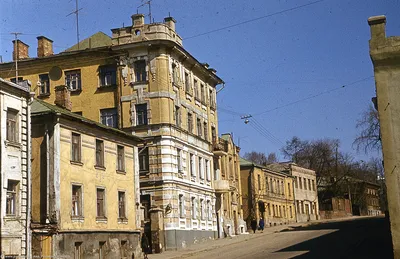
point(40, 107)
point(11, 84)
point(99, 39)
point(279, 167)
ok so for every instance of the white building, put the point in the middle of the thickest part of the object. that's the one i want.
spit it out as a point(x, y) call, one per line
point(15, 170)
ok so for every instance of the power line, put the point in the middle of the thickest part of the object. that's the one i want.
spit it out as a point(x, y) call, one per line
point(255, 19)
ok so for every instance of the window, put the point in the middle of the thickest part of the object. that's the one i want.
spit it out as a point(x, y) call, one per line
point(194, 214)
point(190, 122)
point(300, 183)
point(12, 125)
point(44, 84)
point(178, 159)
point(208, 171)
point(108, 75)
point(212, 99)
point(203, 97)
point(78, 250)
point(187, 83)
point(178, 116)
point(144, 159)
point(121, 158)
point(121, 205)
point(282, 188)
point(109, 117)
point(192, 172)
point(99, 153)
point(174, 74)
point(201, 171)
point(295, 182)
point(271, 185)
point(213, 134)
point(141, 114)
point(76, 201)
point(199, 127)
point(266, 184)
point(76, 147)
point(309, 184)
point(196, 89)
point(78, 113)
point(289, 191)
point(209, 210)
point(101, 203)
point(305, 184)
point(140, 71)
point(202, 209)
point(102, 250)
point(73, 80)
point(181, 206)
point(259, 182)
point(298, 207)
point(205, 131)
point(11, 198)
point(291, 212)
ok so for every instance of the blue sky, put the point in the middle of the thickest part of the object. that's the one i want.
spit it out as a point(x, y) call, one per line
point(266, 63)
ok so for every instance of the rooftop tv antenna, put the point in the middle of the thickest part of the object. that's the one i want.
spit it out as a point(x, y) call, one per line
point(143, 4)
point(76, 12)
point(16, 54)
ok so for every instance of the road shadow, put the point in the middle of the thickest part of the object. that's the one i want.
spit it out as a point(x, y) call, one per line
point(360, 238)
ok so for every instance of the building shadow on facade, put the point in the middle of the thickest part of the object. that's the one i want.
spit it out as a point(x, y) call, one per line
point(361, 238)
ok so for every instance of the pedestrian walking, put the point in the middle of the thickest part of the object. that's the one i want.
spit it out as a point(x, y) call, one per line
point(145, 245)
point(254, 225)
point(261, 224)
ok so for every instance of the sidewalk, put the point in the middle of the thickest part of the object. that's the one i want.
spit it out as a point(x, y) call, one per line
point(214, 244)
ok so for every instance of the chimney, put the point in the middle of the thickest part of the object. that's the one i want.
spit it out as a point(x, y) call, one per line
point(170, 22)
point(20, 50)
point(45, 47)
point(137, 20)
point(63, 97)
point(377, 25)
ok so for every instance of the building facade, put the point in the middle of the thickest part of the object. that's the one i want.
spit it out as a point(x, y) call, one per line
point(141, 80)
point(365, 198)
point(15, 170)
point(85, 185)
point(305, 190)
point(266, 194)
point(385, 56)
point(228, 188)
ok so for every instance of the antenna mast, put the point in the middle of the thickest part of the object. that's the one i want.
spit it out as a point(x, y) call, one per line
point(143, 4)
point(76, 12)
point(16, 54)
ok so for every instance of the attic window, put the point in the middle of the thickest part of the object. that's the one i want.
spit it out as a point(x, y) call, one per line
point(137, 32)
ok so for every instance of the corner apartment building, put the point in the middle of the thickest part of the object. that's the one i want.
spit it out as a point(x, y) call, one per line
point(142, 81)
point(385, 56)
point(266, 194)
point(85, 185)
point(15, 170)
point(305, 190)
point(227, 185)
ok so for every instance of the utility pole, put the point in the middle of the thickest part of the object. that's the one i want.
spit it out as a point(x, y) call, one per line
point(246, 118)
point(76, 12)
point(16, 54)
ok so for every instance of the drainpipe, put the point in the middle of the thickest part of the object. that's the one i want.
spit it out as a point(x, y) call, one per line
point(223, 86)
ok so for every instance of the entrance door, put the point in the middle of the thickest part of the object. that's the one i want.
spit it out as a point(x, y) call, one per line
point(308, 211)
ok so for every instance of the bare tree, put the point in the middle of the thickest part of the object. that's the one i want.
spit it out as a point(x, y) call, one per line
point(271, 158)
point(368, 138)
point(256, 157)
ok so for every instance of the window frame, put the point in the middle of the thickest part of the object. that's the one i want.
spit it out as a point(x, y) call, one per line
point(122, 211)
point(44, 80)
point(139, 67)
point(103, 205)
point(181, 205)
point(77, 204)
point(100, 162)
point(143, 158)
point(106, 71)
point(76, 148)
point(12, 131)
point(13, 193)
point(199, 126)
point(190, 122)
point(73, 76)
point(121, 167)
point(141, 114)
point(107, 114)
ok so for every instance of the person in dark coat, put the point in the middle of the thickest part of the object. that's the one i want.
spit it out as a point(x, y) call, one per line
point(145, 245)
point(253, 225)
point(261, 224)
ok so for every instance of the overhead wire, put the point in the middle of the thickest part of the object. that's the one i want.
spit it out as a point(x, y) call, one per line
point(253, 20)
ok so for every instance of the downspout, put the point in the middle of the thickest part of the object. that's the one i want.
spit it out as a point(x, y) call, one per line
point(222, 87)
point(1, 186)
point(29, 175)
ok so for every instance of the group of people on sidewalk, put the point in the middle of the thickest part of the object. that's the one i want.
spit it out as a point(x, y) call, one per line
point(254, 225)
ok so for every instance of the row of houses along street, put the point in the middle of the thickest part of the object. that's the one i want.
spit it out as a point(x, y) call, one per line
point(116, 139)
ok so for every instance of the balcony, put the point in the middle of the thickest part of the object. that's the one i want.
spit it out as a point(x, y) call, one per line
point(221, 186)
point(220, 147)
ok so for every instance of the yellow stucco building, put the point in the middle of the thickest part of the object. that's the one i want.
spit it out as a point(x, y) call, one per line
point(143, 81)
point(266, 194)
point(85, 182)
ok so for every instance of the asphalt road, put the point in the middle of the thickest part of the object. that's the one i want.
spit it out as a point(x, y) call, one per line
point(355, 238)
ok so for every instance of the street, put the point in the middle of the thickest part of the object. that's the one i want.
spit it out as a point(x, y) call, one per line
point(352, 238)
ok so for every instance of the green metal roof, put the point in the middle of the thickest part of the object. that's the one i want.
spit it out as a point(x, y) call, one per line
point(99, 39)
point(40, 107)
